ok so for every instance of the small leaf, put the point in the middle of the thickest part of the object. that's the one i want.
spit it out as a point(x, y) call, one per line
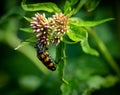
point(28, 30)
point(31, 39)
point(87, 49)
point(68, 42)
point(67, 7)
point(73, 6)
point(88, 23)
point(22, 44)
point(49, 7)
point(76, 33)
point(26, 42)
point(28, 19)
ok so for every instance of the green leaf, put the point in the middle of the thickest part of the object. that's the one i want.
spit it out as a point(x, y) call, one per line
point(88, 23)
point(73, 6)
point(26, 42)
point(21, 45)
point(31, 39)
point(49, 7)
point(68, 42)
point(28, 19)
point(28, 30)
point(76, 33)
point(87, 49)
point(67, 7)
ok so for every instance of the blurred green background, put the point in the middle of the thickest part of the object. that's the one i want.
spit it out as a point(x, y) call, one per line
point(20, 75)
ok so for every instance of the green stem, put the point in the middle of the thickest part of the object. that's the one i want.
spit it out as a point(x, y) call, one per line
point(104, 51)
point(61, 59)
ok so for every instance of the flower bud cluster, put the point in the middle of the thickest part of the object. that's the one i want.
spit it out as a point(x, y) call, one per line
point(49, 30)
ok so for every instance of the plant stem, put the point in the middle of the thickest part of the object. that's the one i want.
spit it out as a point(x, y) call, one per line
point(104, 51)
point(61, 57)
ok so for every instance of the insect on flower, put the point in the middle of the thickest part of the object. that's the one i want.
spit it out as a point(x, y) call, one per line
point(44, 57)
point(48, 31)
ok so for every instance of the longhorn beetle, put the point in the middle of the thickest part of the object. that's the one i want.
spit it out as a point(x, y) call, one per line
point(44, 57)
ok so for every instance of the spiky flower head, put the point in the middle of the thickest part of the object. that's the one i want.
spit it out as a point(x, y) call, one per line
point(49, 30)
